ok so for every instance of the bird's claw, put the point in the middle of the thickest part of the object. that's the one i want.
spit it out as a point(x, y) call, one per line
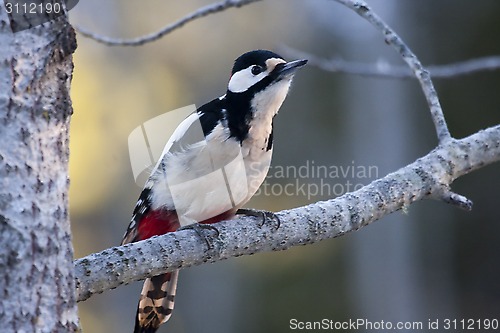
point(265, 215)
point(199, 229)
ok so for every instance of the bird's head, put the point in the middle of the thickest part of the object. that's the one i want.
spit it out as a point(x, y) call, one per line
point(258, 70)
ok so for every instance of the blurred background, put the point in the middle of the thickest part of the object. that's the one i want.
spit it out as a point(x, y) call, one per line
point(432, 261)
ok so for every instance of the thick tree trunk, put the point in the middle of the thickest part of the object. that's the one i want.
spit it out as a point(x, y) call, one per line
point(37, 292)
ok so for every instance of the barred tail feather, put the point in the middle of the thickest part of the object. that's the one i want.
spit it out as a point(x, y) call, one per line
point(156, 302)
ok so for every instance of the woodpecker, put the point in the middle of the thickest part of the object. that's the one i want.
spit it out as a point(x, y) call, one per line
point(213, 163)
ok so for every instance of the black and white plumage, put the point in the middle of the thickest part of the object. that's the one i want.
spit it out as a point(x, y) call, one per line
point(212, 165)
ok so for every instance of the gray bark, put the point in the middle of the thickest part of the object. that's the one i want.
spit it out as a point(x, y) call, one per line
point(37, 290)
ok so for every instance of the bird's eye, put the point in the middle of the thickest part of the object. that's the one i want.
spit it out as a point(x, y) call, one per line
point(256, 70)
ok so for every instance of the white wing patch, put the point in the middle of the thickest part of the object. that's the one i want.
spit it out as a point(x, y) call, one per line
point(177, 135)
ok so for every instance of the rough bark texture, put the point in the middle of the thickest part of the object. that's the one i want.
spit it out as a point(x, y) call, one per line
point(427, 177)
point(36, 271)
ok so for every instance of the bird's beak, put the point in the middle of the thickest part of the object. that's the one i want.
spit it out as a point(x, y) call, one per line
point(289, 68)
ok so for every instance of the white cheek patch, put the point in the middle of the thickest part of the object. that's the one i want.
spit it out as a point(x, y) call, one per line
point(244, 79)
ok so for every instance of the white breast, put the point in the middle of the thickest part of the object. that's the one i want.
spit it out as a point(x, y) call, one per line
point(208, 178)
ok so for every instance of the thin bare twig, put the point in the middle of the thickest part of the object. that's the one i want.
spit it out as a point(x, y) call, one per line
point(381, 70)
point(393, 39)
point(201, 12)
point(385, 70)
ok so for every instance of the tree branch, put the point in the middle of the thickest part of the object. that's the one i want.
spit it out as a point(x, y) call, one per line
point(201, 12)
point(427, 177)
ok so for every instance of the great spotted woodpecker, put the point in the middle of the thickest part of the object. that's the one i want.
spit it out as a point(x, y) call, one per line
point(212, 165)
